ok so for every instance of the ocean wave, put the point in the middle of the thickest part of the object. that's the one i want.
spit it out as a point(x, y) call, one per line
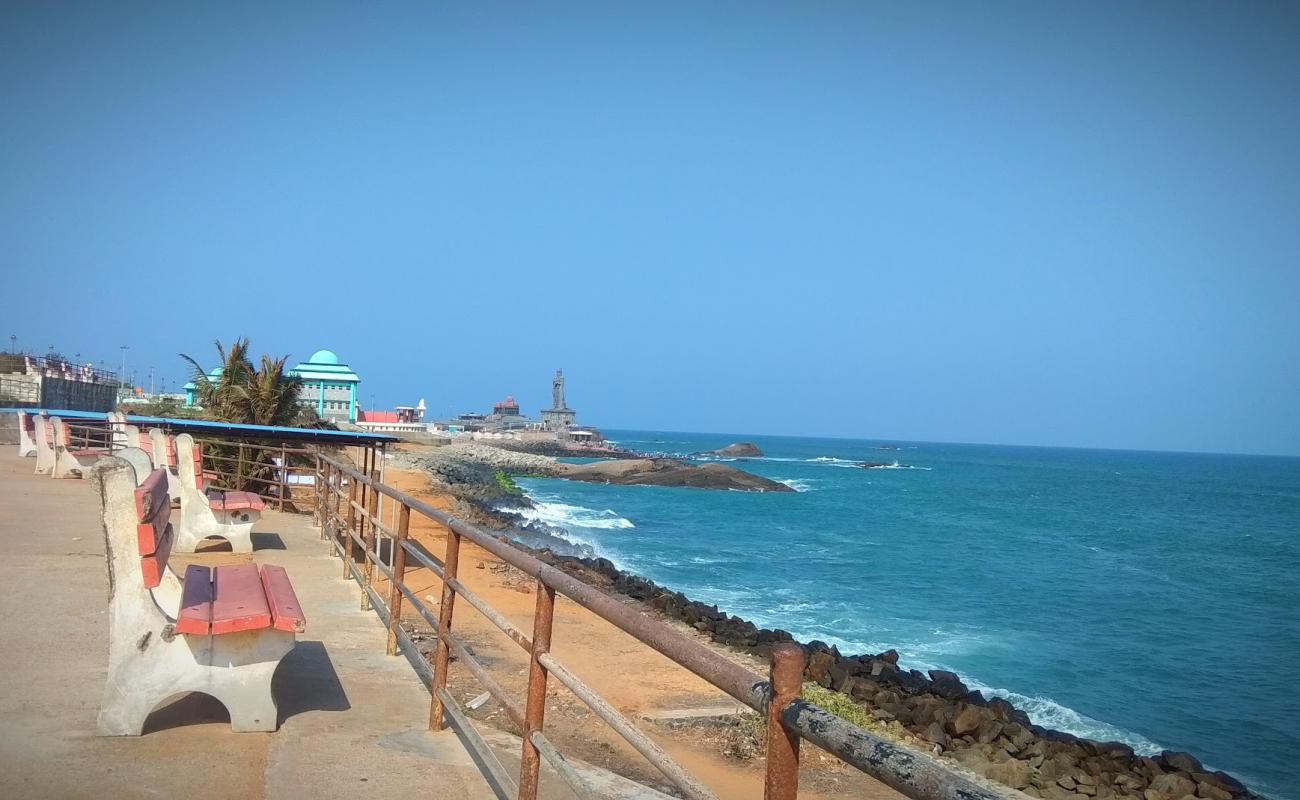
point(831, 460)
point(1050, 714)
point(798, 484)
point(564, 515)
point(896, 465)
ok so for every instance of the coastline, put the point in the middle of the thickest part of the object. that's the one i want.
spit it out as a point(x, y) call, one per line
point(662, 697)
point(934, 711)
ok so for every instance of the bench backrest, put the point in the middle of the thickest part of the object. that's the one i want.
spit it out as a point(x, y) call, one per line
point(59, 432)
point(189, 461)
point(27, 421)
point(153, 530)
point(136, 528)
point(138, 459)
point(164, 448)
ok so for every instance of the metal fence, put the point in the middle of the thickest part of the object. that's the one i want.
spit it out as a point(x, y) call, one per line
point(348, 510)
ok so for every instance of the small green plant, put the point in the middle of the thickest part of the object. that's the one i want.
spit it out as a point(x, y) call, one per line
point(839, 704)
point(507, 484)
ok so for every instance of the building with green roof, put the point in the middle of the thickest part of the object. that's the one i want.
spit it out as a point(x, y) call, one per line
point(328, 385)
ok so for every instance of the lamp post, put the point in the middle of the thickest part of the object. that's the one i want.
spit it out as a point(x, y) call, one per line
point(121, 376)
point(13, 343)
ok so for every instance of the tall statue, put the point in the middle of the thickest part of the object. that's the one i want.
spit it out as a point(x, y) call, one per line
point(557, 390)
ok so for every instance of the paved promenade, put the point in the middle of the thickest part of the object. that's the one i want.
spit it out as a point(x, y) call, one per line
point(353, 722)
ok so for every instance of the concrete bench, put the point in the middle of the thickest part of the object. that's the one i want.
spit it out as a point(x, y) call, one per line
point(214, 514)
point(70, 461)
point(43, 432)
point(26, 434)
point(222, 631)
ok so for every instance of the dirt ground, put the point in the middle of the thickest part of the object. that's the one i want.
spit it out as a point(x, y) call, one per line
point(644, 685)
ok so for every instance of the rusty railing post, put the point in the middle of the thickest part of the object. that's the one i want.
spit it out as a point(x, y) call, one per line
point(442, 655)
point(535, 710)
point(782, 779)
point(316, 518)
point(346, 550)
point(399, 575)
point(370, 535)
point(284, 473)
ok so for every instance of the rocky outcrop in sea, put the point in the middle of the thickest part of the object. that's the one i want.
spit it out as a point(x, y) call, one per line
point(737, 450)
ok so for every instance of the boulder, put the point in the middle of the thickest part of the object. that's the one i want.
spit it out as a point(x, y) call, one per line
point(967, 721)
point(1180, 762)
point(819, 666)
point(1172, 785)
point(1209, 791)
point(1013, 773)
point(947, 684)
point(935, 733)
point(668, 472)
point(737, 450)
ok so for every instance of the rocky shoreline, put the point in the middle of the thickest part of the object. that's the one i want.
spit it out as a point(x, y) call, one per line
point(934, 711)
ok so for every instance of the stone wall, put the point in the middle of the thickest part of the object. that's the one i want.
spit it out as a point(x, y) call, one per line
point(78, 395)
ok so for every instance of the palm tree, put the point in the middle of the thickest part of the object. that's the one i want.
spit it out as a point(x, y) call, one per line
point(243, 394)
point(240, 393)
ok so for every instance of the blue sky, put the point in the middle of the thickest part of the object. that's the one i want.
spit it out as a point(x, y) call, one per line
point(1031, 223)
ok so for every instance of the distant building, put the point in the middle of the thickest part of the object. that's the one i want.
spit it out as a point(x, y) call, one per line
point(559, 418)
point(505, 416)
point(403, 419)
point(329, 386)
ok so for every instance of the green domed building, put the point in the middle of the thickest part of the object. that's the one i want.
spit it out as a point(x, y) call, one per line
point(329, 386)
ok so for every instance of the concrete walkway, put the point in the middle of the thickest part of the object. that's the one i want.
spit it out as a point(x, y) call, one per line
point(353, 722)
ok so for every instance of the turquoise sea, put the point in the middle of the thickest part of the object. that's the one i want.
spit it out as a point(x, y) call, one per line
point(1152, 598)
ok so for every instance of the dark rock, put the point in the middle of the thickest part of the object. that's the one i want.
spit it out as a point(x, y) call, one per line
point(1182, 762)
point(669, 472)
point(737, 450)
point(947, 684)
point(934, 732)
point(967, 721)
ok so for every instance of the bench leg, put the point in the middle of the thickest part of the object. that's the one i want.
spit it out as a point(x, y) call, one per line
point(235, 668)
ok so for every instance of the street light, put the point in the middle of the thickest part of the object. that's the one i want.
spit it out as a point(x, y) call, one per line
point(121, 376)
point(13, 343)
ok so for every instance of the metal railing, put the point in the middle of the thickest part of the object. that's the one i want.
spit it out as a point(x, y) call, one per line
point(348, 511)
point(282, 475)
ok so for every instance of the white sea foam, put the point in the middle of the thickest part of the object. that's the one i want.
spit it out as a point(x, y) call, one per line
point(567, 516)
point(831, 460)
point(896, 465)
point(798, 484)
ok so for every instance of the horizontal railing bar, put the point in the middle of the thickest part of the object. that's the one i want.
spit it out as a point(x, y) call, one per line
point(492, 614)
point(561, 765)
point(506, 787)
point(507, 627)
point(419, 606)
point(634, 736)
point(428, 562)
point(916, 775)
point(495, 689)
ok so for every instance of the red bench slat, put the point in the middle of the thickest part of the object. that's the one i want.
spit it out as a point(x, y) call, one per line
point(152, 510)
point(286, 612)
point(195, 616)
point(235, 501)
point(154, 565)
point(239, 602)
